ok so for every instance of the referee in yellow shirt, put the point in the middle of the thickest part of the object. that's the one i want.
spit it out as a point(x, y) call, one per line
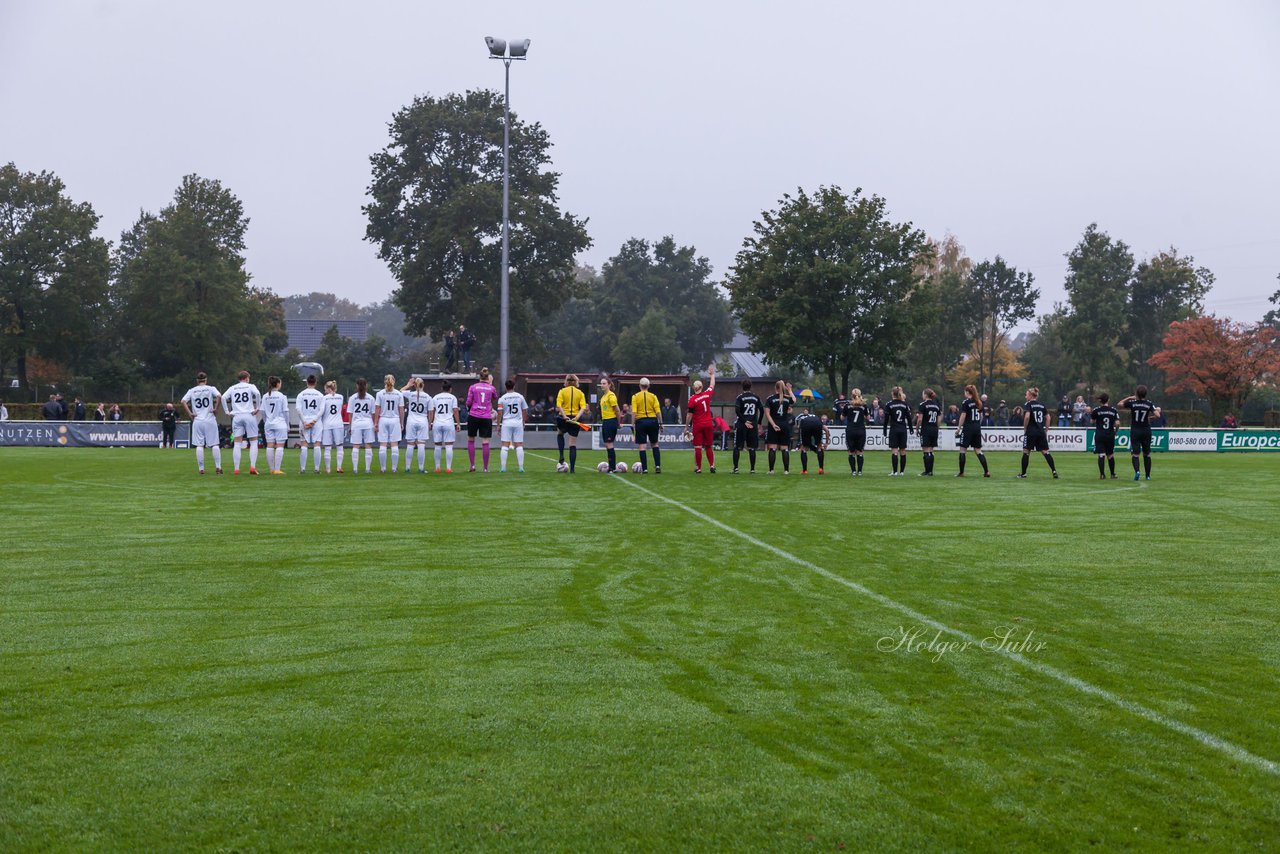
point(571, 405)
point(644, 418)
point(608, 419)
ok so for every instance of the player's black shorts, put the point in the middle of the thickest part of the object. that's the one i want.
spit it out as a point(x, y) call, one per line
point(928, 437)
point(608, 429)
point(778, 437)
point(898, 440)
point(856, 439)
point(1140, 442)
point(1104, 444)
point(647, 431)
point(563, 425)
point(811, 439)
point(477, 425)
point(971, 437)
point(746, 437)
point(1035, 442)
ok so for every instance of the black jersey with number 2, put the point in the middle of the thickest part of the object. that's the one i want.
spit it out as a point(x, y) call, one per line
point(897, 416)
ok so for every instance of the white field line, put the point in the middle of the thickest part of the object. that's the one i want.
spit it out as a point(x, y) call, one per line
point(1206, 738)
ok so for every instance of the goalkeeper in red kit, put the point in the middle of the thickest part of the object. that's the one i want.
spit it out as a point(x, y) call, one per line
point(701, 424)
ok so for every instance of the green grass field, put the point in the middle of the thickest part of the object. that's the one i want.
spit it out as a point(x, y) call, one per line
point(544, 662)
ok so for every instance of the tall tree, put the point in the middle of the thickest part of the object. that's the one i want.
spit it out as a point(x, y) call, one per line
point(346, 360)
point(184, 292)
point(54, 274)
point(1272, 317)
point(999, 297)
point(1217, 359)
point(1044, 355)
point(826, 282)
point(943, 326)
point(1166, 287)
point(319, 305)
point(1098, 272)
point(649, 346)
point(973, 369)
point(672, 279)
point(435, 213)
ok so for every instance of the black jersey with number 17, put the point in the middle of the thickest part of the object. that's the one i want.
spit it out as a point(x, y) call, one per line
point(1140, 413)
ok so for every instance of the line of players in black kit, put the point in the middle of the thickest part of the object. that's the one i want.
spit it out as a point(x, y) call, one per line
point(774, 414)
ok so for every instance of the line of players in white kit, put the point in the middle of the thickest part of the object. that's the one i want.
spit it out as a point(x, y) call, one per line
point(382, 419)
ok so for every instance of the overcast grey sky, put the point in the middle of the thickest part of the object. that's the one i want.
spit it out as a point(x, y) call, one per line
point(1011, 125)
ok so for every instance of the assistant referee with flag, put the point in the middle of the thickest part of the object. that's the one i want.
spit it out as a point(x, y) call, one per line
point(645, 413)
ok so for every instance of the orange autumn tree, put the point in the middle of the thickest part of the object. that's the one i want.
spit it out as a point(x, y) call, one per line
point(1218, 359)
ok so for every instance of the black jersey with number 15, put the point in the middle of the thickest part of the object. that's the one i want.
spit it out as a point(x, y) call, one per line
point(971, 411)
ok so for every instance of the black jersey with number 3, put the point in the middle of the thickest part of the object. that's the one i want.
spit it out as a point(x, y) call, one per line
point(1038, 417)
point(1106, 418)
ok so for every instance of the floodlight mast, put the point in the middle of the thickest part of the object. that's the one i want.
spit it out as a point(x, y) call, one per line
point(500, 49)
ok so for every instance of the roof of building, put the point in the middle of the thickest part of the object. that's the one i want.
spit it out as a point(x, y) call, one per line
point(305, 335)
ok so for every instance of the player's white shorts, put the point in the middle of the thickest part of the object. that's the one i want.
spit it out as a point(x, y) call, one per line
point(417, 431)
point(244, 426)
point(362, 434)
point(443, 433)
point(513, 433)
point(311, 435)
point(333, 436)
point(204, 433)
point(389, 431)
point(276, 431)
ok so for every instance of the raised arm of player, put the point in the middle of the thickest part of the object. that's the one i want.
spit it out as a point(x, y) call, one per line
point(711, 384)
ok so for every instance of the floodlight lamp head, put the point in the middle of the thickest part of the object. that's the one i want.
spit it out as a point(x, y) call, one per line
point(497, 47)
point(519, 48)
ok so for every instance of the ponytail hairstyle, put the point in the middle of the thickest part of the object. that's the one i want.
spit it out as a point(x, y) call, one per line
point(273, 382)
point(362, 385)
point(1035, 392)
point(608, 386)
point(331, 387)
point(971, 392)
point(571, 380)
point(484, 375)
point(898, 393)
point(389, 382)
point(929, 395)
point(856, 397)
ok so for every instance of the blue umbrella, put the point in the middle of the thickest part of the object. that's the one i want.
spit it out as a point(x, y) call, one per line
point(808, 392)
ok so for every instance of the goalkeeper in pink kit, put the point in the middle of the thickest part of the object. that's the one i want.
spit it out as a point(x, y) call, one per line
point(480, 399)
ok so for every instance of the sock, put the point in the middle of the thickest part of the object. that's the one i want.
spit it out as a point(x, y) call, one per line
point(438, 449)
point(560, 445)
point(1146, 463)
point(736, 455)
point(328, 459)
point(382, 457)
point(644, 461)
point(804, 460)
point(200, 457)
point(894, 459)
point(697, 456)
point(520, 457)
point(502, 457)
point(859, 463)
point(573, 457)
point(928, 462)
point(1025, 458)
point(853, 464)
point(315, 455)
point(217, 456)
point(395, 458)
point(1111, 463)
point(711, 456)
point(368, 460)
point(982, 458)
point(902, 464)
point(751, 455)
point(773, 456)
point(962, 459)
point(613, 459)
point(484, 455)
point(342, 456)
point(235, 457)
point(253, 453)
point(657, 457)
point(1135, 463)
point(1102, 465)
point(821, 459)
point(448, 457)
point(302, 458)
point(786, 461)
point(1048, 458)
point(471, 451)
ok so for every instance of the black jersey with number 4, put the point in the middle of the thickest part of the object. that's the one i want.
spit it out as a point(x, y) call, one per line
point(897, 416)
point(1038, 417)
point(930, 413)
point(1106, 419)
point(748, 407)
point(1140, 413)
point(779, 406)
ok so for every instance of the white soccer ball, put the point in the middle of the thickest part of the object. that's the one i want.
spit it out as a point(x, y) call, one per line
point(562, 467)
point(621, 469)
point(636, 468)
point(603, 468)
